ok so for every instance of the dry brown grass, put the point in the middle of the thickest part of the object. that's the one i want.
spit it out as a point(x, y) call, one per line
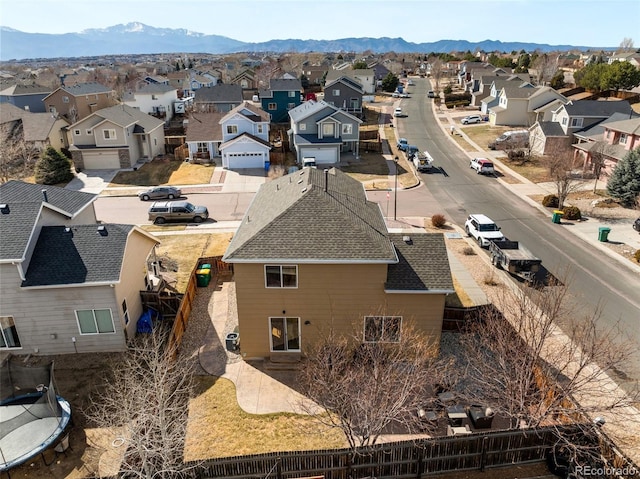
point(218, 427)
point(533, 169)
point(181, 252)
point(165, 172)
point(483, 134)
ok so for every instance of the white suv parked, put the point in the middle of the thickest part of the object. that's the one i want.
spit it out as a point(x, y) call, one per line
point(467, 120)
point(482, 166)
point(483, 229)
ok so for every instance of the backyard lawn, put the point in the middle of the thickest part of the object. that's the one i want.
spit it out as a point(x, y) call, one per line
point(165, 172)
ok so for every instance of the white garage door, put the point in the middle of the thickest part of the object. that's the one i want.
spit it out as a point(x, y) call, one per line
point(245, 160)
point(323, 156)
point(101, 160)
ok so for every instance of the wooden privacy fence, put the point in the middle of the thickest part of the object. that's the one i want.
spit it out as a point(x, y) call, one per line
point(184, 311)
point(408, 459)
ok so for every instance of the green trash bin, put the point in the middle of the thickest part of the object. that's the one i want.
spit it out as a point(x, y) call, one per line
point(603, 233)
point(557, 216)
point(203, 276)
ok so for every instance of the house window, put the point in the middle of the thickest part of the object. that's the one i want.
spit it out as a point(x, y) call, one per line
point(109, 134)
point(285, 334)
point(291, 106)
point(281, 276)
point(327, 129)
point(302, 126)
point(347, 128)
point(202, 147)
point(125, 311)
point(154, 97)
point(8, 333)
point(623, 138)
point(232, 129)
point(336, 92)
point(95, 321)
point(65, 99)
point(88, 132)
point(292, 94)
point(76, 132)
point(260, 128)
point(576, 122)
point(382, 329)
point(272, 106)
point(564, 121)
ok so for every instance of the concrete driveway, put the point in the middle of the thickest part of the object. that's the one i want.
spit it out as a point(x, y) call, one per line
point(246, 180)
point(92, 181)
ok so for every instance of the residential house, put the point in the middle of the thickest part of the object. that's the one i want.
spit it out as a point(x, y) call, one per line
point(316, 74)
point(68, 284)
point(522, 104)
point(197, 81)
point(282, 96)
point(344, 93)
point(380, 72)
point(26, 97)
point(154, 99)
point(365, 78)
point(115, 137)
point(37, 130)
point(156, 80)
point(181, 80)
point(323, 131)
point(313, 254)
point(613, 138)
point(221, 98)
point(240, 137)
point(246, 79)
point(632, 57)
point(571, 118)
point(79, 101)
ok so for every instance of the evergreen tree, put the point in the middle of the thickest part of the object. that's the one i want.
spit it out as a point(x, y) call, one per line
point(53, 168)
point(624, 184)
point(390, 82)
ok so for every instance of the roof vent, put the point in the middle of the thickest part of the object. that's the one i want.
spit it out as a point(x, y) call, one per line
point(44, 196)
point(4, 208)
point(102, 230)
point(407, 239)
point(67, 229)
point(304, 190)
point(299, 181)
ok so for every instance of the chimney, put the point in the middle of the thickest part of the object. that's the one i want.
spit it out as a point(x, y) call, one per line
point(326, 180)
point(44, 196)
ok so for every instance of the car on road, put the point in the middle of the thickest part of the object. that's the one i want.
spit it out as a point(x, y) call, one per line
point(431, 94)
point(160, 193)
point(482, 166)
point(636, 225)
point(483, 229)
point(410, 83)
point(177, 211)
point(398, 112)
point(469, 120)
point(397, 94)
point(402, 144)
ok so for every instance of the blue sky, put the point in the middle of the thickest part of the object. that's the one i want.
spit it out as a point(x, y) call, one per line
point(595, 23)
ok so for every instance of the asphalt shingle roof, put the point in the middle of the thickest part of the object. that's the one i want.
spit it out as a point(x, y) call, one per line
point(77, 255)
point(204, 127)
point(422, 265)
point(16, 225)
point(67, 201)
point(221, 93)
point(293, 218)
point(86, 89)
point(125, 115)
point(595, 108)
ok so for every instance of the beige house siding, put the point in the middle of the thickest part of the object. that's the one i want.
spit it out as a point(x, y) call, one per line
point(132, 275)
point(327, 295)
point(39, 314)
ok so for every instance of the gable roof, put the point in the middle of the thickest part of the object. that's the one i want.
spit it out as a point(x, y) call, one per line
point(16, 90)
point(17, 222)
point(151, 88)
point(250, 112)
point(38, 126)
point(617, 120)
point(312, 217)
point(90, 88)
point(204, 127)
point(220, 93)
point(285, 84)
point(311, 107)
point(66, 202)
point(423, 265)
point(596, 108)
point(350, 82)
point(78, 254)
point(249, 136)
point(125, 115)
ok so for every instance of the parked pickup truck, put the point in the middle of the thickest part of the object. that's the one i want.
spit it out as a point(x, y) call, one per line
point(514, 258)
point(423, 161)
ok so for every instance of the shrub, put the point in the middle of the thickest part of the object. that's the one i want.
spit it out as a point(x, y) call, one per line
point(550, 201)
point(438, 220)
point(637, 256)
point(516, 154)
point(571, 213)
point(468, 251)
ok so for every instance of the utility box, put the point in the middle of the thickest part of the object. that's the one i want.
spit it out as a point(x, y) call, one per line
point(232, 341)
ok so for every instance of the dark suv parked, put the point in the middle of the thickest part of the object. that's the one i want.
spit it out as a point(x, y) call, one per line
point(183, 211)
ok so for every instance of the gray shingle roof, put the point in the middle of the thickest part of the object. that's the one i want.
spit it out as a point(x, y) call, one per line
point(220, 93)
point(284, 84)
point(125, 115)
point(86, 89)
point(78, 255)
point(597, 109)
point(204, 127)
point(16, 225)
point(422, 265)
point(293, 218)
point(68, 202)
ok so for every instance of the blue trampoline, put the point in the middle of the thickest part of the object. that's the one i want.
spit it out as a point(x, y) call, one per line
point(32, 416)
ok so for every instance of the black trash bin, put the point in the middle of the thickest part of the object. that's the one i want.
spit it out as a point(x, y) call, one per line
point(233, 342)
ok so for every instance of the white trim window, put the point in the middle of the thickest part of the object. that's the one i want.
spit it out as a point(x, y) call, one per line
point(328, 130)
point(302, 127)
point(109, 134)
point(202, 147)
point(292, 94)
point(89, 132)
point(284, 334)
point(576, 122)
point(291, 106)
point(623, 139)
point(347, 128)
point(272, 106)
point(65, 99)
point(260, 128)
point(76, 132)
point(280, 276)
point(564, 121)
point(95, 321)
point(382, 329)
point(336, 92)
point(8, 333)
point(232, 129)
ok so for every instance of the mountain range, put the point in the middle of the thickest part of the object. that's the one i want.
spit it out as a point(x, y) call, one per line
point(138, 38)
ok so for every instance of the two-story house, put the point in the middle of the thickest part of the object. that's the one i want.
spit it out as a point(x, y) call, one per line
point(155, 99)
point(115, 137)
point(323, 131)
point(26, 97)
point(68, 284)
point(79, 101)
point(312, 253)
point(220, 98)
point(36, 130)
point(344, 93)
point(239, 137)
point(283, 95)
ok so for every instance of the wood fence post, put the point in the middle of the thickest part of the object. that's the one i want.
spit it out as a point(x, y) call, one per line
point(483, 453)
point(279, 468)
point(420, 463)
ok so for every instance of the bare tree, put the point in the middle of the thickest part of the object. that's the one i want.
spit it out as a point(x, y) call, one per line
point(545, 67)
point(560, 163)
point(436, 72)
point(17, 158)
point(537, 361)
point(626, 45)
point(146, 394)
point(599, 153)
point(369, 387)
